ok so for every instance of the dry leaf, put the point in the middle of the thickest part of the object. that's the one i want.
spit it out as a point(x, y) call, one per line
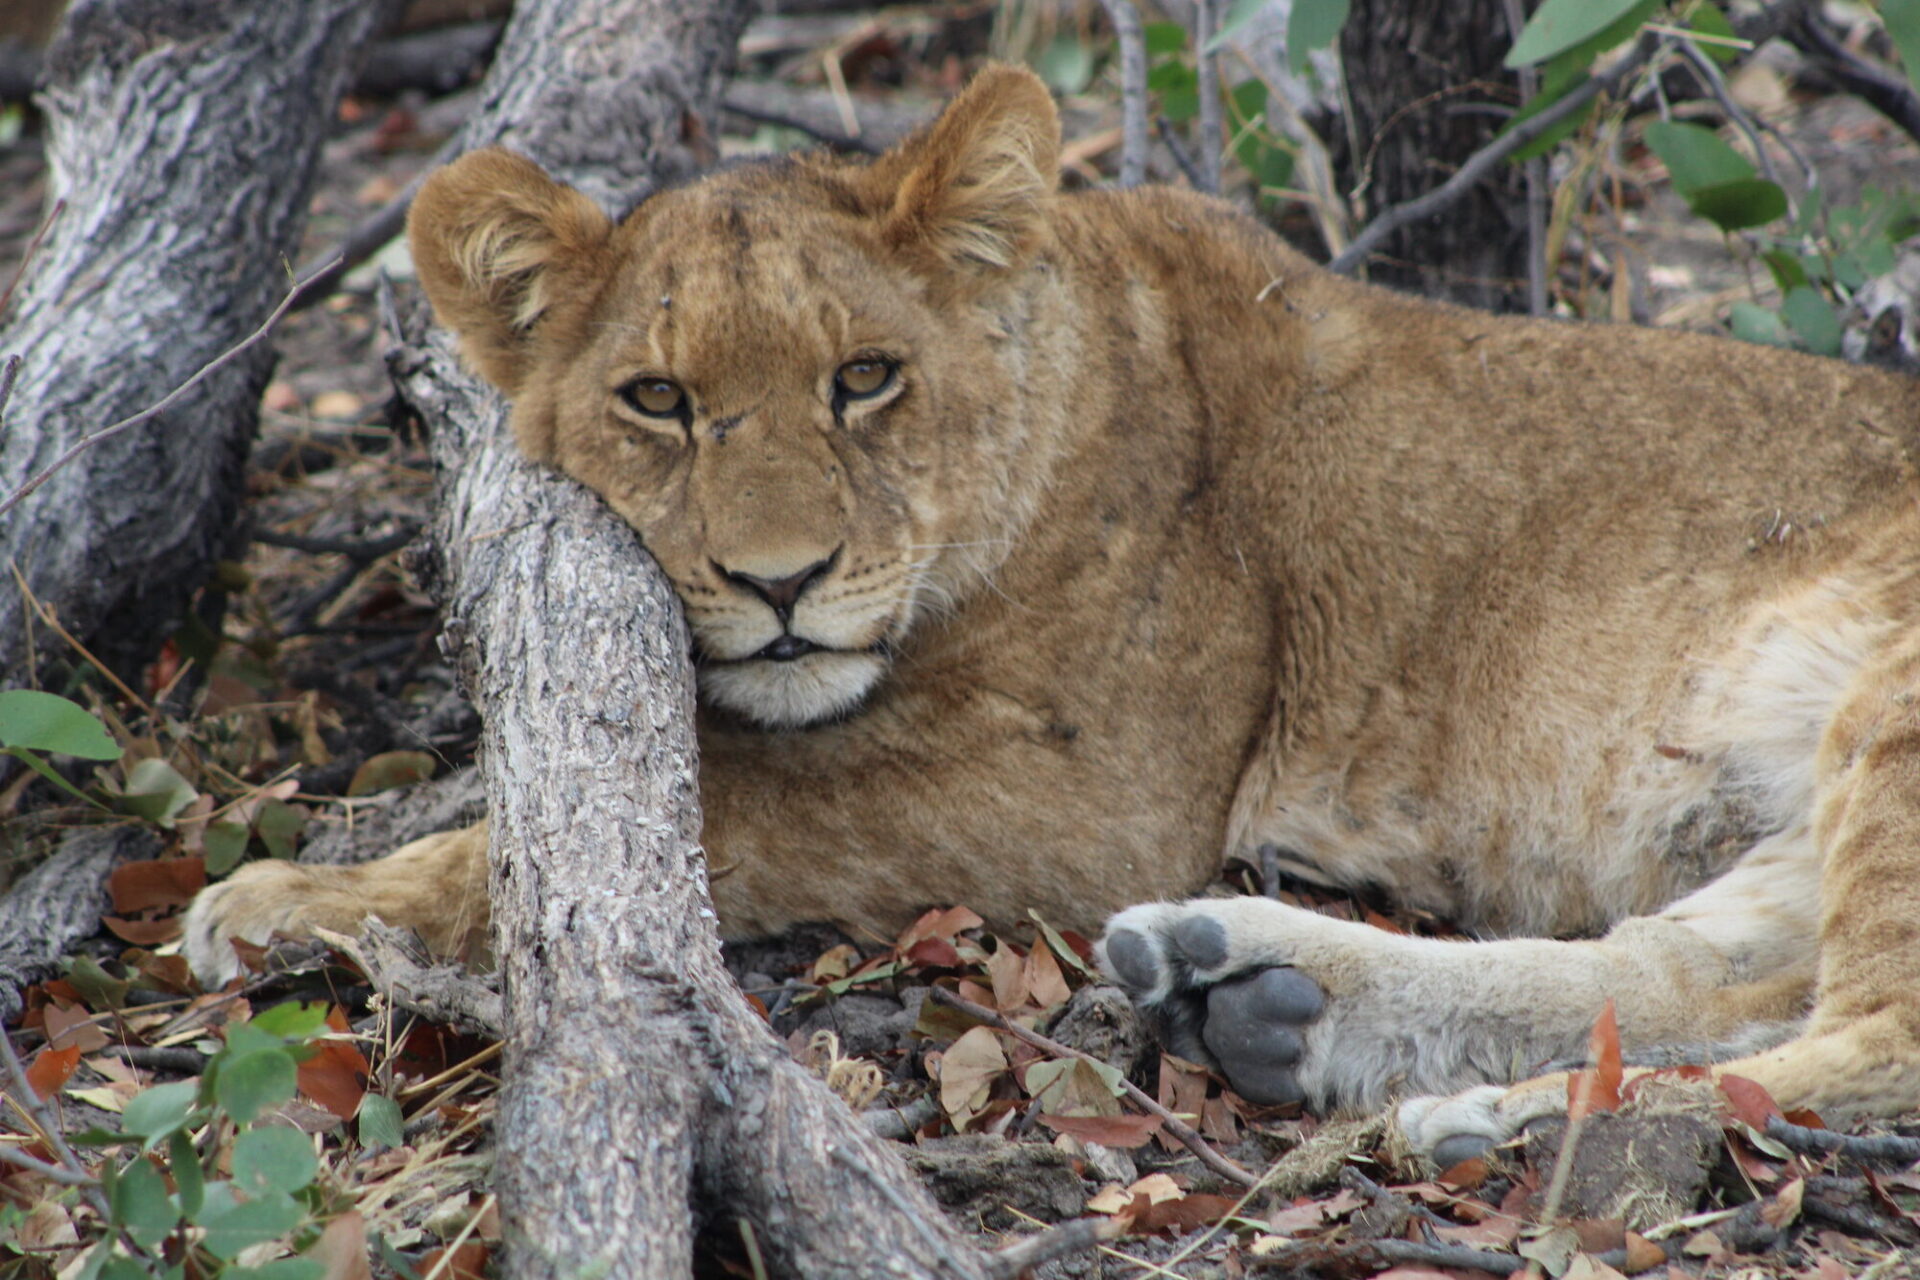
point(51, 1067)
point(968, 1070)
point(1598, 1087)
point(1587, 1267)
point(1748, 1101)
point(1124, 1131)
point(342, 1248)
point(1046, 985)
point(158, 883)
point(1009, 974)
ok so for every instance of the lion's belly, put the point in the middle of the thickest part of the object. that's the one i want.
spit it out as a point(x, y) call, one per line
point(1565, 823)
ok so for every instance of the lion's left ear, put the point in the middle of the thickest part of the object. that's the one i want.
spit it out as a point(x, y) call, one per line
point(972, 190)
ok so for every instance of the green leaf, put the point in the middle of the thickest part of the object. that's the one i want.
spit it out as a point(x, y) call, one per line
point(1902, 18)
point(1237, 17)
point(254, 1083)
point(279, 1269)
point(46, 771)
point(160, 1112)
point(1751, 323)
point(273, 1159)
point(48, 722)
point(1696, 156)
point(1164, 38)
point(292, 1020)
point(1313, 24)
point(231, 1229)
point(155, 791)
point(189, 1183)
point(1786, 268)
point(100, 989)
point(1813, 318)
point(1708, 20)
point(1567, 71)
point(222, 847)
point(1559, 25)
point(279, 825)
point(141, 1205)
point(1746, 202)
point(1067, 67)
point(380, 1122)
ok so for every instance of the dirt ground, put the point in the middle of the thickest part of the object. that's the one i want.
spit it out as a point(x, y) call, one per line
point(330, 677)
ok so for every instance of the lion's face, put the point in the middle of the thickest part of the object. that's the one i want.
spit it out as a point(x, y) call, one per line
point(797, 381)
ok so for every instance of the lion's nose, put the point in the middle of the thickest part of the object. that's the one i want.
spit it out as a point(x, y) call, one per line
point(781, 594)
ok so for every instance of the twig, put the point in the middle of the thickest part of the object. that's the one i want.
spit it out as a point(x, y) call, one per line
point(7, 375)
point(1204, 26)
point(1483, 161)
point(1062, 1241)
point(361, 552)
point(33, 245)
point(1536, 175)
point(1179, 1129)
point(1133, 89)
point(1874, 1149)
point(35, 1108)
point(166, 402)
point(1359, 1183)
point(1705, 70)
point(1178, 150)
point(1880, 89)
point(834, 138)
point(41, 1169)
point(1364, 1257)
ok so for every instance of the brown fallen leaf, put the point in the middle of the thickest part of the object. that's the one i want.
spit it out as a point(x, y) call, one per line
point(1124, 1131)
point(155, 884)
point(47, 1073)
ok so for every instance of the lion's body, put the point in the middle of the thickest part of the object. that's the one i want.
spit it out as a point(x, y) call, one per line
point(1159, 544)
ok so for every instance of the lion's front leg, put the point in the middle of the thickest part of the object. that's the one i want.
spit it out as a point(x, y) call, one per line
point(436, 886)
point(1292, 1005)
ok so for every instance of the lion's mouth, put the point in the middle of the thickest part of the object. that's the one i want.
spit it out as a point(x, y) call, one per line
point(787, 648)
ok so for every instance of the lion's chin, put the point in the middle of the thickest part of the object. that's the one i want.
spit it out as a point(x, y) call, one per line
point(806, 691)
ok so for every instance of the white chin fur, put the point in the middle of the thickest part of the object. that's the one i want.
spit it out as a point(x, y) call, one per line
point(792, 695)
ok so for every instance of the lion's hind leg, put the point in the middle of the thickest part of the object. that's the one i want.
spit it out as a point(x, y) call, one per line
point(436, 886)
point(1858, 1054)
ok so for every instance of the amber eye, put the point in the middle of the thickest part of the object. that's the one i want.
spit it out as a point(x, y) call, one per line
point(655, 397)
point(860, 379)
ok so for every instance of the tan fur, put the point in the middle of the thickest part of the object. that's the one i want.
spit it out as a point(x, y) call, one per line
point(1166, 545)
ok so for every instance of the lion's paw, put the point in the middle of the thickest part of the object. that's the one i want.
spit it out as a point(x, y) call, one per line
point(1291, 1005)
point(256, 902)
point(1448, 1130)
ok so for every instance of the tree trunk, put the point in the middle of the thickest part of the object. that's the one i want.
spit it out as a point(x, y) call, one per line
point(1417, 72)
point(642, 1097)
point(183, 139)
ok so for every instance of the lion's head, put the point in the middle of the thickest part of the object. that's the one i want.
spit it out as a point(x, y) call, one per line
point(806, 383)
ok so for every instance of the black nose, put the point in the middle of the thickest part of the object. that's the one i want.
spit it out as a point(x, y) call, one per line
point(781, 594)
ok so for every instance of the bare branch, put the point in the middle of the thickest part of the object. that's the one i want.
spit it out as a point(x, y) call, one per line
point(1205, 25)
point(153, 411)
point(1879, 88)
point(1133, 90)
point(1487, 158)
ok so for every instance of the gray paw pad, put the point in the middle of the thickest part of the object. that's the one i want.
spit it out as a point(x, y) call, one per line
point(1252, 1031)
point(1133, 959)
point(1203, 940)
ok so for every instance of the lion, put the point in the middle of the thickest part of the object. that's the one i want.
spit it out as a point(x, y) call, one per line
point(1043, 550)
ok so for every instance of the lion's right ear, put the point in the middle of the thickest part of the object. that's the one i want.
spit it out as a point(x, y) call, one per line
point(493, 240)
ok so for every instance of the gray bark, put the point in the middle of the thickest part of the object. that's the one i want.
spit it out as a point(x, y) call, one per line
point(60, 902)
point(642, 1095)
point(182, 137)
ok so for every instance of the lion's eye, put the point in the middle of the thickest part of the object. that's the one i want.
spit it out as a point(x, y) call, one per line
point(860, 379)
point(655, 397)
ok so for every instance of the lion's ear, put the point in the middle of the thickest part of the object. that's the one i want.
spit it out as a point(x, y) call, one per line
point(972, 190)
point(493, 240)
